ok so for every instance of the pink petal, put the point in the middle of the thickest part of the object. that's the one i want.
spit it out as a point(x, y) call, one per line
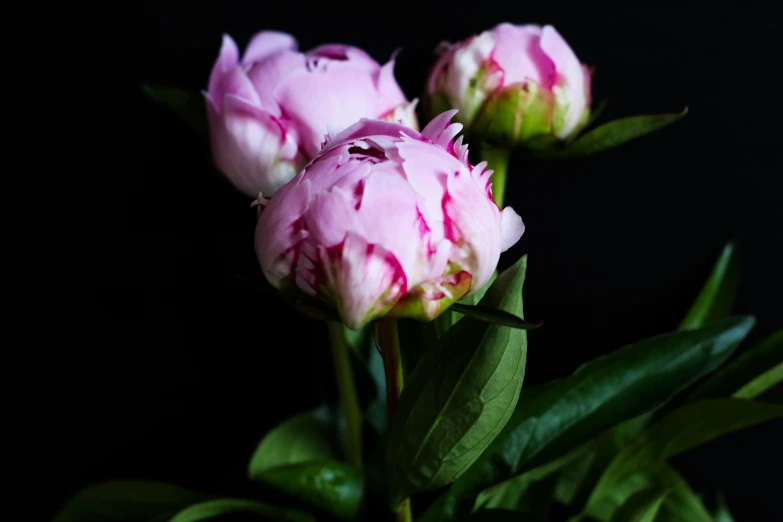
point(213, 115)
point(268, 74)
point(364, 279)
point(441, 131)
point(426, 169)
point(227, 59)
point(355, 57)
point(267, 43)
point(306, 275)
point(387, 85)
point(519, 54)
point(588, 85)
point(236, 83)
point(440, 68)
point(334, 169)
point(466, 63)
point(330, 216)
point(251, 147)
point(278, 231)
point(369, 127)
point(569, 70)
point(336, 96)
point(511, 228)
point(403, 114)
point(472, 223)
point(389, 216)
point(440, 258)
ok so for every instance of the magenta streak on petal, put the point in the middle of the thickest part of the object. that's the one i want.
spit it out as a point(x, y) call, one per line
point(283, 130)
point(306, 271)
point(450, 150)
point(385, 116)
point(400, 280)
point(296, 227)
point(425, 232)
point(358, 192)
point(388, 114)
point(300, 145)
point(335, 251)
point(449, 230)
point(494, 69)
point(332, 52)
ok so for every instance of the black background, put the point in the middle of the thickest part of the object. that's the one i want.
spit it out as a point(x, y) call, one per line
point(169, 368)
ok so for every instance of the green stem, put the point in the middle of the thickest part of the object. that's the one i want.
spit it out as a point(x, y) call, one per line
point(497, 159)
point(349, 399)
point(389, 344)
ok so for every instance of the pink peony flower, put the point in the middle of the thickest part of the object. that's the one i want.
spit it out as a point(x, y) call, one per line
point(269, 112)
point(517, 84)
point(386, 221)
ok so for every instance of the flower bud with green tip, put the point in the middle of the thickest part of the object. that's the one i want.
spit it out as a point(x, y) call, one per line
point(513, 85)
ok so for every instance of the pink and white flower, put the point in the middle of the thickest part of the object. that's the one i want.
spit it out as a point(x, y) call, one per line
point(386, 221)
point(269, 112)
point(513, 84)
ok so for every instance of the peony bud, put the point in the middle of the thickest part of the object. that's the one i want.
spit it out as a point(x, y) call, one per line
point(269, 112)
point(386, 221)
point(513, 84)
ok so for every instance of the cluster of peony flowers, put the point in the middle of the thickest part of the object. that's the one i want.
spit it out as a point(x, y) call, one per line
point(359, 209)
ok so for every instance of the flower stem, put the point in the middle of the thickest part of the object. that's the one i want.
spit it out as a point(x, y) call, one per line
point(349, 400)
point(497, 159)
point(389, 346)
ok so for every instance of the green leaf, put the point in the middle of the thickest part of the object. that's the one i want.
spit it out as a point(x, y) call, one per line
point(552, 419)
point(577, 478)
point(615, 133)
point(502, 515)
point(681, 430)
point(595, 112)
point(377, 414)
point(334, 487)
point(188, 106)
point(713, 302)
point(642, 506)
point(516, 493)
point(494, 316)
point(716, 297)
point(478, 295)
point(755, 368)
point(297, 459)
point(722, 513)
point(459, 396)
point(358, 341)
point(228, 506)
point(505, 495)
point(761, 383)
point(443, 322)
point(449, 317)
point(299, 439)
point(127, 501)
point(680, 504)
